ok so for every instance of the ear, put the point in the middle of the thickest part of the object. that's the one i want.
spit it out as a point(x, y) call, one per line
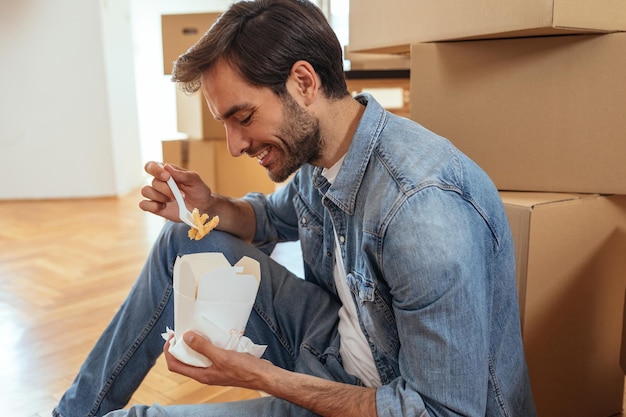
point(303, 82)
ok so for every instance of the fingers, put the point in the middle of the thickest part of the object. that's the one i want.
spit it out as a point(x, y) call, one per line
point(173, 364)
point(158, 194)
point(158, 191)
point(229, 367)
point(202, 375)
point(151, 206)
point(200, 344)
point(157, 170)
point(162, 171)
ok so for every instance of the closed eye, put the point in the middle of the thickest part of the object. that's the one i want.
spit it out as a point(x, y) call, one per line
point(247, 120)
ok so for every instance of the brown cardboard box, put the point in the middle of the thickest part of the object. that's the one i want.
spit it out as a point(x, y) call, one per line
point(365, 61)
point(195, 155)
point(238, 176)
point(392, 93)
point(194, 118)
point(571, 280)
point(225, 174)
point(181, 31)
point(538, 114)
point(622, 359)
point(399, 23)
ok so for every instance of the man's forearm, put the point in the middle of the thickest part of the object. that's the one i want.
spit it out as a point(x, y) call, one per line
point(326, 398)
point(236, 216)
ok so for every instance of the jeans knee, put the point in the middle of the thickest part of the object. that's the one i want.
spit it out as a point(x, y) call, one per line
point(174, 239)
point(139, 411)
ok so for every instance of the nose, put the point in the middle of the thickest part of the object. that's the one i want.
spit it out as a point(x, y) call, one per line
point(236, 141)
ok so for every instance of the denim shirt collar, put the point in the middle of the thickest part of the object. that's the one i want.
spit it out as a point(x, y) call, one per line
point(344, 190)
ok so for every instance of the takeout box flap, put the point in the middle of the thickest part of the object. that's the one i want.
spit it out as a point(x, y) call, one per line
point(250, 267)
point(186, 283)
point(196, 265)
point(227, 285)
point(209, 276)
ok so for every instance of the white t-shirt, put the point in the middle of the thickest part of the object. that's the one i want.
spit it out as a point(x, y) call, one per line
point(355, 351)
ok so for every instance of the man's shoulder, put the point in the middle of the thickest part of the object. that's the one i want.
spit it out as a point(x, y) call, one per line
point(413, 152)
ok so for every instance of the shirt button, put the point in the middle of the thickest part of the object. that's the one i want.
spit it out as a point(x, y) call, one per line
point(342, 239)
point(303, 220)
point(329, 254)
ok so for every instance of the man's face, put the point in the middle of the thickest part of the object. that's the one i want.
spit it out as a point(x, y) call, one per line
point(280, 133)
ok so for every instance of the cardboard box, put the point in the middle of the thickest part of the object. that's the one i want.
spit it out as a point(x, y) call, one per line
point(369, 61)
point(181, 31)
point(392, 93)
point(195, 155)
point(622, 359)
point(571, 280)
point(238, 176)
point(538, 114)
point(225, 174)
point(194, 118)
point(399, 23)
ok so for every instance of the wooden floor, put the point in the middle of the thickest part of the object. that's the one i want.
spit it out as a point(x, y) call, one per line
point(65, 266)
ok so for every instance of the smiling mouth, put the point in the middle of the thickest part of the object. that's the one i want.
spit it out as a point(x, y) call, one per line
point(262, 155)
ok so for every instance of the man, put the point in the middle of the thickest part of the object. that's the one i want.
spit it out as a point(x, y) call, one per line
point(409, 305)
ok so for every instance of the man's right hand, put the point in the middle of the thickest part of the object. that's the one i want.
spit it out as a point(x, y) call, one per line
point(159, 199)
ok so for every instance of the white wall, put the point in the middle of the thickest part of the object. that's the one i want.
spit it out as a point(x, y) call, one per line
point(68, 125)
point(119, 64)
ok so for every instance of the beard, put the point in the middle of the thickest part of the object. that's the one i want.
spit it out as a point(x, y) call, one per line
point(302, 140)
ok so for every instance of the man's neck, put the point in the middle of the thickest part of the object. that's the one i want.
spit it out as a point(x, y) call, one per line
point(339, 123)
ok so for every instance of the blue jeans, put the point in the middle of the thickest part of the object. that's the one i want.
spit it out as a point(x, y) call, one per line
point(132, 342)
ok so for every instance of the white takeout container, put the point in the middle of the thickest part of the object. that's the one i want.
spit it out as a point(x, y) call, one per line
point(215, 299)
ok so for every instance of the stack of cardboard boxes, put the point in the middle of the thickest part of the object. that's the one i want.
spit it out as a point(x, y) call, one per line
point(384, 76)
point(535, 92)
point(204, 147)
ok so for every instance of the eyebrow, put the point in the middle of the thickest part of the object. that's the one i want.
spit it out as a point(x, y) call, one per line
point(235, 109)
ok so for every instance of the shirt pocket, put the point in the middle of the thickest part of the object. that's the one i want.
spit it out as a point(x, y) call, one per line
point(376, 316)
point(310, 232)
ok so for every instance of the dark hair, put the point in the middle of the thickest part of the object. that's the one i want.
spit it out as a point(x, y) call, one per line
point(262, 40)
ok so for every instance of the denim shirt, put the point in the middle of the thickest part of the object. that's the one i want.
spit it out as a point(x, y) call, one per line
point(430, 262)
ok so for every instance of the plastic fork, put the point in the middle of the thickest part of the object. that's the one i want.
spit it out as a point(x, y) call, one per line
point(184, 213)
